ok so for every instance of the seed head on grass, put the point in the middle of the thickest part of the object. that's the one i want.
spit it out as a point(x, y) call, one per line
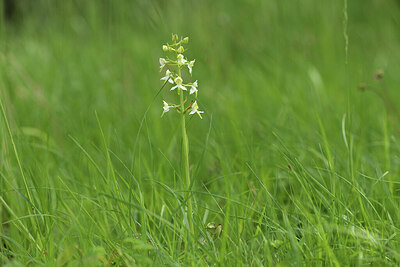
point(384, 95)
point(378, 75)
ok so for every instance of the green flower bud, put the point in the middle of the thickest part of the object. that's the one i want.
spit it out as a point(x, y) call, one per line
point(165, 48)
point(186, 40)
point(379, 75)
point(180, 49)
point(174, 37)
point(362, 86)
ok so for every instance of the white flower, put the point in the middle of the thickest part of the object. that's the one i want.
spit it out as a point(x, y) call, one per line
point(181, 59)
point(193, 88)
point(195, 109)
point(163, 61)
point(166, 108)
point(190, 66)
point(168, 76)
point(178, 81)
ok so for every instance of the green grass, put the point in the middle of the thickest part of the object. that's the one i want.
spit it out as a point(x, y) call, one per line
point(291, 161)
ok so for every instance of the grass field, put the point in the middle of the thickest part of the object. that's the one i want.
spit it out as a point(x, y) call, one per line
point(291, 164)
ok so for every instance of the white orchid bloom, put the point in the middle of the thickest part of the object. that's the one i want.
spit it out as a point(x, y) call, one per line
point(168, 76)
point(195, 109)
point(163, 61)
point(166, 108)
point(193, 88)
point(178, 81)
point(181, 59)
point(190, 66)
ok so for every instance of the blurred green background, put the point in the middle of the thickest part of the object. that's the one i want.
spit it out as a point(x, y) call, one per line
point(261, 65)
point(271, 75)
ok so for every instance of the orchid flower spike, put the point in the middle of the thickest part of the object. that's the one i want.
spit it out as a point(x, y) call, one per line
point(175, 71)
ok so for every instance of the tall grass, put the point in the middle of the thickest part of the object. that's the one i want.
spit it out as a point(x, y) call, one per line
point(291, 165)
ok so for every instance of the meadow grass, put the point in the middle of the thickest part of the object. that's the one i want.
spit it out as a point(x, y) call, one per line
point(291, 164)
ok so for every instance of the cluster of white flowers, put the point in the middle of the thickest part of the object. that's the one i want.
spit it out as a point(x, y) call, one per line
point(173, 75)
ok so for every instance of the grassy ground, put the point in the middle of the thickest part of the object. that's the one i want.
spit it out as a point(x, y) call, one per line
point(291, 165)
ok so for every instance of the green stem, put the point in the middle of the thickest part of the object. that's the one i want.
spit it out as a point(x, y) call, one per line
point(185, 160)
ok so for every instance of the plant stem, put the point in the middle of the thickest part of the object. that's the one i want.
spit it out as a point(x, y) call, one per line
point(185, 161)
